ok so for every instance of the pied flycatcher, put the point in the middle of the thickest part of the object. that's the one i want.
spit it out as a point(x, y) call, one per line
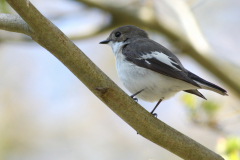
point(150, 71)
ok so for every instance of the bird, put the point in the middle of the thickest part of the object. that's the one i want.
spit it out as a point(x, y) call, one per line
point(150, 71)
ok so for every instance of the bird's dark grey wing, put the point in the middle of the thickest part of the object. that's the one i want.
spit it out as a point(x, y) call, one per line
point(151, 55)
point(207, 85)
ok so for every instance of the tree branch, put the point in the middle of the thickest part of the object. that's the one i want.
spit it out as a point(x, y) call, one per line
point(203, 57)
point(14, 23)
point(51, 38)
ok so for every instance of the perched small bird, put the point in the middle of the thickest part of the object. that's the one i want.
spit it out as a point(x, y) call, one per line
point(150, 71)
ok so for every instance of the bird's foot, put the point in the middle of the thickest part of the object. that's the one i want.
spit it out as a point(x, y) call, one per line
point(135, 99)
point(132, 96)
point(154, 114)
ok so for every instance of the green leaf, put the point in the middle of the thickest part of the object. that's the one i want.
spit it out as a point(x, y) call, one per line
point(210, 108)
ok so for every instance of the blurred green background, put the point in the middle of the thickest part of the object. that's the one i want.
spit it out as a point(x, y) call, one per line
point(47, 113)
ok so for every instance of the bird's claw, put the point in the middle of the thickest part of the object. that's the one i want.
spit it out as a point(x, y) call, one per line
point(132, 96)
point(154, 114)
point(135, 99)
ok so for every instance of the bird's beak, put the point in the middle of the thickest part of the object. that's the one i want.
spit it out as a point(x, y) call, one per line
point(104, 42)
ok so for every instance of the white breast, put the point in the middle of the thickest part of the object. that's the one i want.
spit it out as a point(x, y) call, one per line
point(156, 86)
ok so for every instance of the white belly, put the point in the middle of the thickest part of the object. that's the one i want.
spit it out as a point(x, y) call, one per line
point(156, 86)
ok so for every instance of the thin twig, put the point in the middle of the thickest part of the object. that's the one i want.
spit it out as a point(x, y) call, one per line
point(14, 23)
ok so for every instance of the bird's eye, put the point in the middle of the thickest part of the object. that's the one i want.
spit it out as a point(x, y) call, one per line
point(118, 34)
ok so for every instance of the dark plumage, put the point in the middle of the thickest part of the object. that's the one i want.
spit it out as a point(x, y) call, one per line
point(150, 70)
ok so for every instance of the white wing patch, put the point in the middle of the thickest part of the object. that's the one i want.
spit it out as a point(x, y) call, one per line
point(147, 62)
point(161, 57)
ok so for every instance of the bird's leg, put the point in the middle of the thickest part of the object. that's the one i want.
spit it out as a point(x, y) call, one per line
point(155, 114)
point(132, 96)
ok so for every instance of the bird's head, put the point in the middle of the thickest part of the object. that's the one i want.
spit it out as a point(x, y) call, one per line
point(125, 34)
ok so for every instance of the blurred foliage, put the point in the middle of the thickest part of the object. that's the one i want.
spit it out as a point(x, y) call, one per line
point(205, 113)
point(3, 6)
point(229, 148)
point(202, 112)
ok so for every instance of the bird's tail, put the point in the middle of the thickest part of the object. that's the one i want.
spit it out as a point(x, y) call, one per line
point(207, 85)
